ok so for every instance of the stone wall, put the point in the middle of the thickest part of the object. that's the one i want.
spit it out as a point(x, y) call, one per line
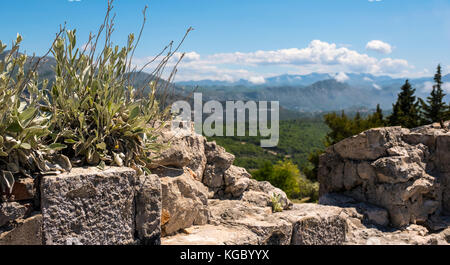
point(403, 171)
point(88, 206)
point(378, 187)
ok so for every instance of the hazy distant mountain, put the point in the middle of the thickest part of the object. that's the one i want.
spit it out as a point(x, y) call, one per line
point(314, 92)
point(282, 80)
point(306, 80)
point(324, 95)
point(45, 68)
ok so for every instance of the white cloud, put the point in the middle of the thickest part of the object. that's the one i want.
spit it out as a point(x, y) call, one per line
point(379, 46)
point(446, 87)
point(368, 79)
point(376, 86)
point(318, 56)
point(257, 79)
point(341, 77)
point(428, 86)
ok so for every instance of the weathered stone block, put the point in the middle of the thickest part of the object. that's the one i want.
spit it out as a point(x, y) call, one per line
point(148, 210)
point(28, 232)
point(184, 201)
point(24, 189)
point(9, 211)
point(89, 206)
point(386, 168)
point(316, 225)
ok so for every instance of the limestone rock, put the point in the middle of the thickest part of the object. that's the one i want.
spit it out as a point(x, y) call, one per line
point(28, 232)
point(213, 235)
point(24, 189)
point(184, 148)
point(10, 211)
point(148, 210)
point(218, 161)
point(184, 201)
point(269, 229)
point(316, 225)
point(410, 235)
point(237, 180)
point(402, 171)
point(89, 206)
point(371, 214)
point(261, 193)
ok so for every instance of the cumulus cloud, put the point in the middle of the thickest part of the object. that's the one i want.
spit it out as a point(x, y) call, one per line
point(341, 77)
point(318, 56)
point(257, 79)
point(428, 86)
point(446, 87)
point(379, 46)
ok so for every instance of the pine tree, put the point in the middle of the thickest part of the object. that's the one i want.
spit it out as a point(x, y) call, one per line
point(376, 119)
point(357, 123)
point(435, 109)
point(406, 111)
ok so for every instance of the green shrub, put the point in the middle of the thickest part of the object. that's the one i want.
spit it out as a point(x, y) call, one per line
point(307, 190)
point(276, 203)
point(283, 175)
point(98, 117)
point(22, 125)
point(91, 114)
point(286, 176)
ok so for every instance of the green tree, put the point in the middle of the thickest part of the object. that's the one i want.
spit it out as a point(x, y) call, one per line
point(376, 119)
point(406, 111)
point(341, 127)
point(283, 175)
point(435, 109)
point(357, 123)
point(311, 170)
point(286, 176)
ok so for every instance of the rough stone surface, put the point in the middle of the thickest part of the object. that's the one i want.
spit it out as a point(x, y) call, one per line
point(237, 181)
point(10, 211)
point(399, 170)
point(148, 210)
point(185, 148)
point(384, 186)
point(371, 214)
point(218, 162)
point(27, 232)
point(89, 206)
point(260, 193)
point(316, 225)
point(184, 201)
point(24, 189)
point(269, 229)
point(213, 235)
point(185, 195)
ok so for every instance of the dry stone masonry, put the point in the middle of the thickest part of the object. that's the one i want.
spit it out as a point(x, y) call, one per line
point(405, 172)
point(384, 186)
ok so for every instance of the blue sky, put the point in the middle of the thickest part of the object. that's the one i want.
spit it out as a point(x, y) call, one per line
point(254, 39)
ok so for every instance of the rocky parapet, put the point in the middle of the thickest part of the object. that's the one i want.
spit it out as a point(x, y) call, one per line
point(402, 171)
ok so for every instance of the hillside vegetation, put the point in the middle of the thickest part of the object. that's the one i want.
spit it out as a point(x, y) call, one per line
point(88, 113)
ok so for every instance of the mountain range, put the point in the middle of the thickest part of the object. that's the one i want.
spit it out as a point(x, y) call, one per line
point(316, 92)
